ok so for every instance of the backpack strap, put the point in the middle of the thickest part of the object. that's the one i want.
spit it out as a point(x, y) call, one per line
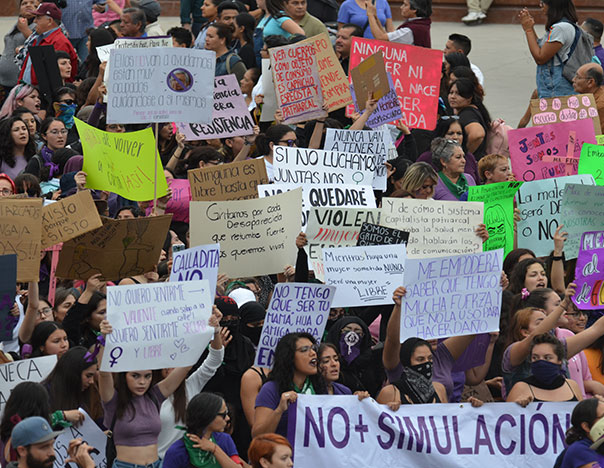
point(228, 62)
point(574, 44)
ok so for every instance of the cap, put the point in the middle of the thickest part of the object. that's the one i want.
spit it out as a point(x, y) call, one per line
point(242, 296)
point(151, 8)
point(49, 9)
point(597, 434)
point(32, 430)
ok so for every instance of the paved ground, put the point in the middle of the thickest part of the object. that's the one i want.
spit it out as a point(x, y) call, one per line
point(499, 50)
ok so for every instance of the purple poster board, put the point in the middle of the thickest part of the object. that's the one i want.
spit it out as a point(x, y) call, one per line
point(589, 272)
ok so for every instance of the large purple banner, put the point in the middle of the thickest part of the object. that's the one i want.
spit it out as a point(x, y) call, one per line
point(589, 272)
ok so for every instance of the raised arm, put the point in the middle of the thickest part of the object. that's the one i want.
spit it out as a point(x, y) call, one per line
point(557, 273)
point(370, 107)
point(29, 321)
point(106, 389)
point(392, 344)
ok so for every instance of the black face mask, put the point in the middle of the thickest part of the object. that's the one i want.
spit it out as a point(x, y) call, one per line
point(231, 325)
point(253, 333)
point(424, 369)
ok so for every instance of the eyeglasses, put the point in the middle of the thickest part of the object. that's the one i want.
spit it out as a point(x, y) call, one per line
point(576, 315)
point(450, 117)
point(44, 312)
point(58, 132)
point(306, 349)
point(6, 191)
point(224, 414)
point(69, 102)
point(290, 143)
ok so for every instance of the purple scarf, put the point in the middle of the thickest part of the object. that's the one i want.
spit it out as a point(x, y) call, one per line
point(47, 158)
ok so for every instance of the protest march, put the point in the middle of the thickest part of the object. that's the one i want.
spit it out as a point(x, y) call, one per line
point(289, 233)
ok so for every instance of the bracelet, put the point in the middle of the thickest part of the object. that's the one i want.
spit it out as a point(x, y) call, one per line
point(558, 259)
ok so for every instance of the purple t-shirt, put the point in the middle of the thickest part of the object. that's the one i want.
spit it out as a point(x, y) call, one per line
point(144, 428)
point(177, 456)
point(599, 52)
point(269, 397)
point(442, 364)
point(441, 192)
point(471, 164)
point(351, 12)
point(579, 454)
point(339, 389)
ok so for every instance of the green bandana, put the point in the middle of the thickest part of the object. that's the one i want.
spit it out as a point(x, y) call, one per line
point(307, 388)
point(200, 458)
point(459, 189)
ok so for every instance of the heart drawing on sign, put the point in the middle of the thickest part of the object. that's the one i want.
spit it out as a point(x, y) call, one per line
point(181, 346)
point(173, 356)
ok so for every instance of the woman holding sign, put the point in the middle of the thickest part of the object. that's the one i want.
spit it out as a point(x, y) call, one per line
point(218, 39)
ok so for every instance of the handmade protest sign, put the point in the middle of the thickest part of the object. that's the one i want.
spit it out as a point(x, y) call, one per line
point(20, 233)
point(196, 263)
point(257, 237)
point(142, 42)
point(324, 195)
point(90, 434)
point(592, 162)
point(435, 228)
point(118, 249)
point(565, 109)
point(121, 162)
point(297, 83)
point(27, 370)
point(68, 218)
point(388, 107)
point(157, 325)
point(581, 210)
point(498, 202)
point(294, 307)
point(312, 166)
point(178, 204)
point(269, 100)
point(600, 139)
point(589, 272)
point(528, 147)
point(334, 82)
point(8, 287)
point(230, 117)
point(232, 181)
point(369, 79)
point(160, 84)
point(451, 296)
point(334, 227)
point(539, 204)
point(375, 142)
point(364, 275)
point(416, 73)
point(374, 234)
point(329, 432)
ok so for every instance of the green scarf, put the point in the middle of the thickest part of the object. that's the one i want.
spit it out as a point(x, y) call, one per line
point(307, 388)
point(200, 458)
point(458, 189)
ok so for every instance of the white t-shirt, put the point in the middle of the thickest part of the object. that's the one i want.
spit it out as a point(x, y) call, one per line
point(478, 73)
point(401, 36)
point(564, 33)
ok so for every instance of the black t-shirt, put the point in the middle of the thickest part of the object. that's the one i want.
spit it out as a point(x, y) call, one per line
point(470, 115)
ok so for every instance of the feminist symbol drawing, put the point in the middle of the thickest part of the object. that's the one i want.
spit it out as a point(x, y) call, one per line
point(117, 350)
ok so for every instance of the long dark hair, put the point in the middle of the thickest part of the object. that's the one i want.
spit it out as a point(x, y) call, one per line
point(537, 298)
point(283, 367)
point(40, 334)
point(201, 411)
point(272, 135)
point(585, 411)
point(98, 37)
point(408, 348)
point(64, 383)
point(125, 396)
point(519, 274)
point(248, 23)
point(25, 400)
point(511, 260)
point(7, 145)
point(275, 8)
point(466, 89)
point(557, 10)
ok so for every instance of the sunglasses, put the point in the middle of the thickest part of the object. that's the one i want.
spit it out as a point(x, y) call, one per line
point(290, 143)
point(69, 102)
point(224, 414)
point(450, 117)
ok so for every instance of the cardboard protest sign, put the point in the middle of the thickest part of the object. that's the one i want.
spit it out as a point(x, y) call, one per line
point(589, 274)
point(600, 139)
point(498, 202)
point(565, 109)
point(369, 79)
point(416, 72)
point(157, 325)
point(20, 233)
point(230, 116)
point(364, 275)
point(160, 84)
point(69, 218)
point(334, 227)
point(27, 370)
point(8, 288)
point(374, 234)
point(388, 107)
point(122, 163)
point(435, 227)
point(375, 142)
point(539, 205)
point(297, 82)
point(528, 147)
point(269, 101)
point(257, 237)
point(324, 195)
point(196, 263)
point(232, 181)
point(329, 432)
point(116, 250)
point(294, 307)
point(451, 296)
point(581, 210)
point(592, 162)
point(90, 434)
point(312, 166)
point(334, 82)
